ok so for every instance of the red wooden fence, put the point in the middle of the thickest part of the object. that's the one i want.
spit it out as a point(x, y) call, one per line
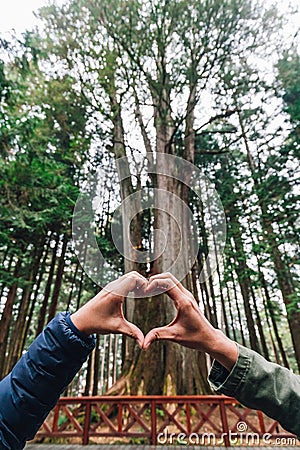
point(191, 420)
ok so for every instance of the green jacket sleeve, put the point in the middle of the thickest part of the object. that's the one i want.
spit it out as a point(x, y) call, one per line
point(263, 385)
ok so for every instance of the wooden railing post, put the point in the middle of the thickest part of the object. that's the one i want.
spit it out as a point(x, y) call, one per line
point(87, 421)
point(261, 421)
point(153, 423)
point(224, 422)
point(188, 418)
point(55, 418)
point(120, 417)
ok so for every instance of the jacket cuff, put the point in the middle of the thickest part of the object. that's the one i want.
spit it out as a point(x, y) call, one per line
point(225, 382)
point(69, 336)
point(84, 337)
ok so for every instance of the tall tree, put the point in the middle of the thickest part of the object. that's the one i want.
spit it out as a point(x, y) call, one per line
point(115, 69)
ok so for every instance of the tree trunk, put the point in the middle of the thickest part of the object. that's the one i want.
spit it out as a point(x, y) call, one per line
point(7, 317)
point(89, 375)
point(265, 350)
point(232, 322)
point(16, 342)
point(242, 271)
point(282, 271)
point(96, 366)
point(103, 361)
point(269, 309)
point(43, 309)
point(35, 295)
point(58, 280)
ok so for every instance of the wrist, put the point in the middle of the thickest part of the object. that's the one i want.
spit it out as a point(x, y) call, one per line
point(81, 334)
point(223, 350)
point(82, 322)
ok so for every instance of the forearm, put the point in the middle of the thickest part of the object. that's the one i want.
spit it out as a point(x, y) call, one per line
point(33, 387)
point(259, 384)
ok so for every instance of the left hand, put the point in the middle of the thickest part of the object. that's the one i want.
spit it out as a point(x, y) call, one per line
point(103, 314)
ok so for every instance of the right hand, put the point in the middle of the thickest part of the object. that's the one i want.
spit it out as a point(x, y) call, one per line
point(189, 328)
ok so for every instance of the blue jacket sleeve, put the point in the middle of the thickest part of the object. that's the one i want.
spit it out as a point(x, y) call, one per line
point(34, 385)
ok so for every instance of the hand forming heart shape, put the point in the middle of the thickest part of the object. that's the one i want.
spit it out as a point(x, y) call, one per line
point(104, 313)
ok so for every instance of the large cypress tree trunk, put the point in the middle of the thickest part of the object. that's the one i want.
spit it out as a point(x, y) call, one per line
point(177, 370)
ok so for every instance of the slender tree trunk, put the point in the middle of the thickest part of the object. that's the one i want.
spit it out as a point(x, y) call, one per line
point(36, 292)
point(238, 310)
point(7, 316)
point(20, 324)
point(8, 270)
point(273, 320)
point(109, 365)
point(275, 351)
point(115, 359)
point(103, 360)
point(242, 271)
point(43, 309)
point(211, 310)
point(96, 366)
point(223, 305)
point(88, 376)
point(73, 286)
point(263, 343)
point(232, 323)
point(58, 280)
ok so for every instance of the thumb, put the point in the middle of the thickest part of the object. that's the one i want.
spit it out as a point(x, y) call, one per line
point(157, 334)
point(133, 331)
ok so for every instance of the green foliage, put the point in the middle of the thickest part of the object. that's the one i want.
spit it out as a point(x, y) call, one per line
point(138, 441)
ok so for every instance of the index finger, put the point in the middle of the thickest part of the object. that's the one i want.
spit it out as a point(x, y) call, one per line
point(129, 282)
point(161, 285)
point(134, 281)
point(170, 276)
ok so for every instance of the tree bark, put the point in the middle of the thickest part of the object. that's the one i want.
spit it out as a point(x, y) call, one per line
point(43, 309)
point(242, 271)
point(17, 339)
point(6, 318)
point(96, 367)
point(58, 280)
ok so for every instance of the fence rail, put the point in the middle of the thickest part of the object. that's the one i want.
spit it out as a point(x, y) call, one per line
point(194, 420)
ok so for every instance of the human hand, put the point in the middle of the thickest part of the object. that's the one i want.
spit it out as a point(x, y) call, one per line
point(103, 314)
point(189, 328)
